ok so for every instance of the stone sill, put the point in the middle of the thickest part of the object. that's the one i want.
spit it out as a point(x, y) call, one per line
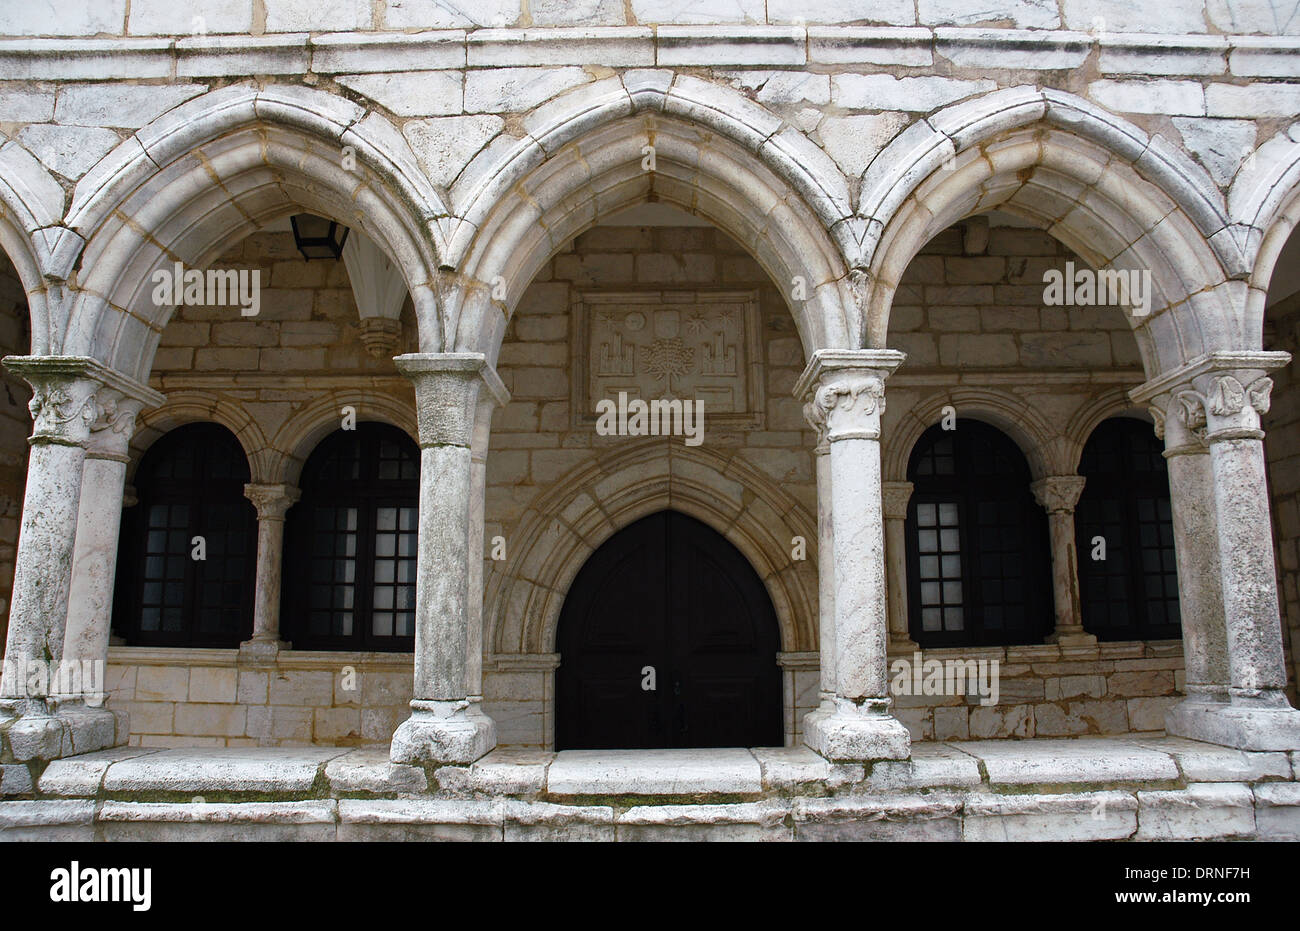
point(332, 659)
point(624, 46)
point(285, 659)
point(1148, 787)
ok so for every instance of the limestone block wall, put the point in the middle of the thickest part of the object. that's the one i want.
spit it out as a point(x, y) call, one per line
point(188, 698)
point(1114, 688)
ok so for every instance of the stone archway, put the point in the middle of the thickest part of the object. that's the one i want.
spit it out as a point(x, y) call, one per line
point(561, 529)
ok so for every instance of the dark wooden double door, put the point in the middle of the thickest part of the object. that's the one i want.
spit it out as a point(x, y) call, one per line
point(668, 602)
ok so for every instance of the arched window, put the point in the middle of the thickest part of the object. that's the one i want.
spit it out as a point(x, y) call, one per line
point(189, 547)
point(351, 543)
point(977, 542)
point(1131, 593)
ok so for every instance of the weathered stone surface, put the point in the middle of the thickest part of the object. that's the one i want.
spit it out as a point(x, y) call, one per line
point(69, 150)
point(853, 141)
point(370, 771)
point(505, 90)
point(1069, 817)
point(83, 775)
point(511, 772)
point(266, 769)
point(419, 819)
point(1059, 762)
point(445, 146)
point(931, 766)
point(886, 92)
point(413, 93)
point(15, 779)
point(1277, 811)
point(546, 822)
point(879, 818)
point(740, 823)
point(310, 820)
point(1202, 762)
point(1199, 812)
point(796, 768)
point(130, 106)
point(654, 772)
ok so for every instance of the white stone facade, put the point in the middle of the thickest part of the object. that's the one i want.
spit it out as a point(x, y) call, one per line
point(858, 201)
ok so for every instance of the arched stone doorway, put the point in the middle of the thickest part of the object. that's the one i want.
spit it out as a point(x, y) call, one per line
point(667, 639)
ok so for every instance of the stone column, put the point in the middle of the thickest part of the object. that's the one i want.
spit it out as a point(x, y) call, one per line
point(847, 398)
point(477, 503)
point(1058, 495)
point(895, 497)
point(94, 560)
point(272, 502)
point(74, 399)
point(1200, 596)
point(1220, 397)
point(441, 727)
point(825, 578)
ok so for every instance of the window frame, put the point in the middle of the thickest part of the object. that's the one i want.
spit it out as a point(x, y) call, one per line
point(1126, 488)
point(198, 494)
point(368, 494)
point(968, 490)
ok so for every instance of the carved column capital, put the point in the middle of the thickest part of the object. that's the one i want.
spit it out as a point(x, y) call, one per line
point(1058, 494)
point(447, 391)
point(845, 391)
point(1218, 396)
point(114, 424)
point(74, 397)
point(895, 497)
point(271, 501)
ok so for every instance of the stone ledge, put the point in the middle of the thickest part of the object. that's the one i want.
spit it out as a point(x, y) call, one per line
point(1124, 788)
point(730, 44)
point(654, 773)
point(1050, 766)
point(1062, 762)
point(235, 771)
point(1218, 811)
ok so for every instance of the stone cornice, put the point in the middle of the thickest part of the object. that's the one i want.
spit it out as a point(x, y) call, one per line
point(1225, 361)
point(294, 53)
point(72, 367)
point(827, 363)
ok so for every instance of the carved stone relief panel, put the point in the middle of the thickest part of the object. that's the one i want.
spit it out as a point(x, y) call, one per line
point(688, 345)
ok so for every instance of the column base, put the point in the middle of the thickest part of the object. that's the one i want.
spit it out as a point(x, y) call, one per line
point(260, 652)
point(856, 736)
point(1072, 638)
point(70, 730)
point(1239, 726)
point(902, 646)
point(443, 732)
